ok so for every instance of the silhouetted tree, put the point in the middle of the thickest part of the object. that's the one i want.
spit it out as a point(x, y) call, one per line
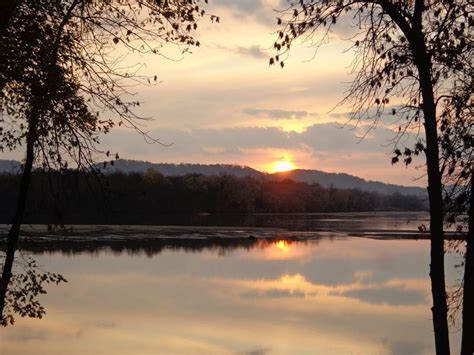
point(457, 157)
point(59, 73)
point(25, 286)
point(414, 54)
point(467, 343)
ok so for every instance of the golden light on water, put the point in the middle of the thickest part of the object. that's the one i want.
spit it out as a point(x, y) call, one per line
point(283, 245)
point(280, 249)
point(282, 166)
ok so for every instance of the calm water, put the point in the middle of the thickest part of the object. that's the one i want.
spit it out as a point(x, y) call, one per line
point(326, 296)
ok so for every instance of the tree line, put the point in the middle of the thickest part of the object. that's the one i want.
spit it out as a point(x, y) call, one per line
point(79, 197)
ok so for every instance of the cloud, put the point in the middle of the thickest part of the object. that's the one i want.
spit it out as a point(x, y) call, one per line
point(343, 30)
point(243, 6)
point(105, 324)
point(27, 334)
point(323, 146)
point(273, 293)
point(255, 351)
point(275, 113)
point(252, 51)
point(214, 150)
point(338, 115)
point(260, 11)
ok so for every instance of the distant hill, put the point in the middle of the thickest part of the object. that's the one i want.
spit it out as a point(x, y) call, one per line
point(169, 169)
point(338, 180)
point(346, 181)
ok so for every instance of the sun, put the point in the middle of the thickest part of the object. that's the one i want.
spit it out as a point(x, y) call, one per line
point(282, 166)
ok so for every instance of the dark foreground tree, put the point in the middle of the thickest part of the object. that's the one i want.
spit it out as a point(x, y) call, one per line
point(467, 342)
point(59, 75)
point(457, 158)
point(28, 282)
point(410, 58)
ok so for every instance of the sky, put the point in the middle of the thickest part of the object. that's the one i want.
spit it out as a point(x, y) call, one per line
point(223, 103)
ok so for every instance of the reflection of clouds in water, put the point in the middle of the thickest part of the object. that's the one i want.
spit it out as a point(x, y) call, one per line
point(105, 324)
point(385, 260)
point(394, 292)
point(386, 295)
point(323, 263)
point(405, 347)
point(335, 299)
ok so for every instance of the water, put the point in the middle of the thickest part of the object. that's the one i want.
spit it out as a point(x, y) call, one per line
point(324, 296)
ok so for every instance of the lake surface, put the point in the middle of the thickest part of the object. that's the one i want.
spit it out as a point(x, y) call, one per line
point(339, 295)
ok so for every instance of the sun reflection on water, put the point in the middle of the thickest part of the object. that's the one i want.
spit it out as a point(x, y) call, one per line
point(283, 245)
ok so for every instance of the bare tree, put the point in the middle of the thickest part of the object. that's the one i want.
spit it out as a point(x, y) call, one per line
point(410, 58)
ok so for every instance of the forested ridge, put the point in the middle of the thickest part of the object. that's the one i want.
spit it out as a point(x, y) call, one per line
point(326, 179)
point(142, 198)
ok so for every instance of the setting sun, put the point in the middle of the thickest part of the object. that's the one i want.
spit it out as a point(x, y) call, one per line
point(282, 166)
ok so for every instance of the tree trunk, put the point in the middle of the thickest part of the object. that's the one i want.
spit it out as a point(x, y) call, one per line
point(435, 193)
point(414, 33)
point(14, 233)
point(467, 342)
point(36, 104)
point(7, 10)
point(438, 286)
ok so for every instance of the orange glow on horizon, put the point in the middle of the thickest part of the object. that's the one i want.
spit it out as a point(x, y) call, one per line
point(283, 166)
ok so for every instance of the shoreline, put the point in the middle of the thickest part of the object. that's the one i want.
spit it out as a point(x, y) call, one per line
point(144, 233)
